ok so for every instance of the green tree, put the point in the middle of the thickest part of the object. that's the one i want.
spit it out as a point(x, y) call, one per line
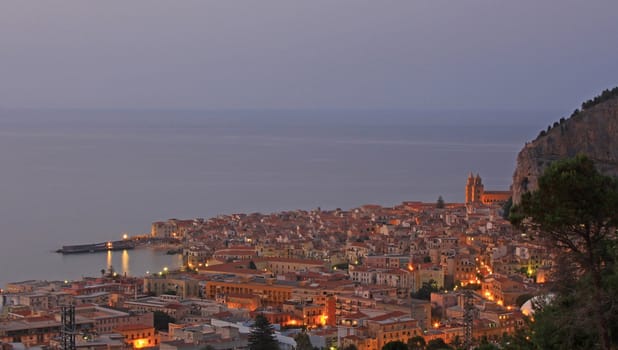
point(518, 340)
point(162, 320)
point(303, 342)
point(440, 203)
point(262, 336)
point(395, 345)
point(556, 327)
point(575, 212)
point(252, 265)
point(457, 343)
point(521, 300)
point(426, 289)
point(416, 343)
point(207, 347)
point(506, 208)
point(438, 344)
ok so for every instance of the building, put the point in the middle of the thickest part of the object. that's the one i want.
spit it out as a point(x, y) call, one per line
point(475, 192)
point(138, 336)
point(152, 304)
point(269, 291)
point(280, 266)
point(235, 253)
point(374, 333)
point(111, 341)
point(181, 286)
point(172, 228)
point(105, 320)
point(30, 331)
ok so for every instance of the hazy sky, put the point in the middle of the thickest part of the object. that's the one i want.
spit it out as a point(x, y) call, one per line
point(202, 54)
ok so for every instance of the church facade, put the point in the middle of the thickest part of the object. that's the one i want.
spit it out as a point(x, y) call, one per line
point(475, 192)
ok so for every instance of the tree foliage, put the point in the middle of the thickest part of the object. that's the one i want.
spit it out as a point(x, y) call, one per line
point(521, 300)
point(554, 328)
point(604, 96)
point(262, 336)
point(575, 212)
point(518, 340)
point(506, 208)
point(395, 345)
point(416, 343)
point(440, 203)
point(303, 342)
point(487, 346)
point(162, 320)
point(426, 289)
point(438, 344)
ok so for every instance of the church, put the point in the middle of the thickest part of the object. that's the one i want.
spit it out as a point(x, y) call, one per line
point(475, 192)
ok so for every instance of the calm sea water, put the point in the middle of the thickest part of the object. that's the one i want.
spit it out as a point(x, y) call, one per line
point(72, 177)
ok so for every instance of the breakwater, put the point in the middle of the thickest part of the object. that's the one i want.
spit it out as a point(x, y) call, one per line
point(97, 247)
point(173, 245)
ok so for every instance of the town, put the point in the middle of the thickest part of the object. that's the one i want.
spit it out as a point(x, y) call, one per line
point(357, 278)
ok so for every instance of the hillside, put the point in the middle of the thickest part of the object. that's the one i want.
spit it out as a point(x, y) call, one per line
point(592, 131)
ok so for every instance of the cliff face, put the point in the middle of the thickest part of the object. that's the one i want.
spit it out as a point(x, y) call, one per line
point(593, 132)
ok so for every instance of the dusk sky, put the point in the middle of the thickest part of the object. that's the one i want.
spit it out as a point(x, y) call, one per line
point(284, 54)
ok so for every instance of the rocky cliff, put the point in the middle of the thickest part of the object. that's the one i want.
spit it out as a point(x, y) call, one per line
point(593, 132)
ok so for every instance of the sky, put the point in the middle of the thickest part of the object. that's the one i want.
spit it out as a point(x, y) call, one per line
point(318, 54)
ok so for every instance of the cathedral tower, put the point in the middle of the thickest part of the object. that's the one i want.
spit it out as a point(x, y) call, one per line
point(474, 189)
point(469, 188)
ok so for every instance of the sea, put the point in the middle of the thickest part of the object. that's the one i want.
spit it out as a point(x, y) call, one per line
point(86, 176)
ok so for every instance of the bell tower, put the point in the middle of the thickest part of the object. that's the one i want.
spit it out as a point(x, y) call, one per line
point(469, 188)
point(474, 189)
point(479, 189)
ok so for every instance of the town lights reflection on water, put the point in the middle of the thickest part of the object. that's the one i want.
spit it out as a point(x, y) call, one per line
point(125, 262)
point(109, 259)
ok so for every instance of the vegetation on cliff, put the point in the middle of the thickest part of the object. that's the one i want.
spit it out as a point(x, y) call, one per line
point(606, 95)
point(575, 212)
point(593, 132)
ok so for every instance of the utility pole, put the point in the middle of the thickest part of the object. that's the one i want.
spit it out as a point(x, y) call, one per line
point(67, 317)
point(468, 319)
